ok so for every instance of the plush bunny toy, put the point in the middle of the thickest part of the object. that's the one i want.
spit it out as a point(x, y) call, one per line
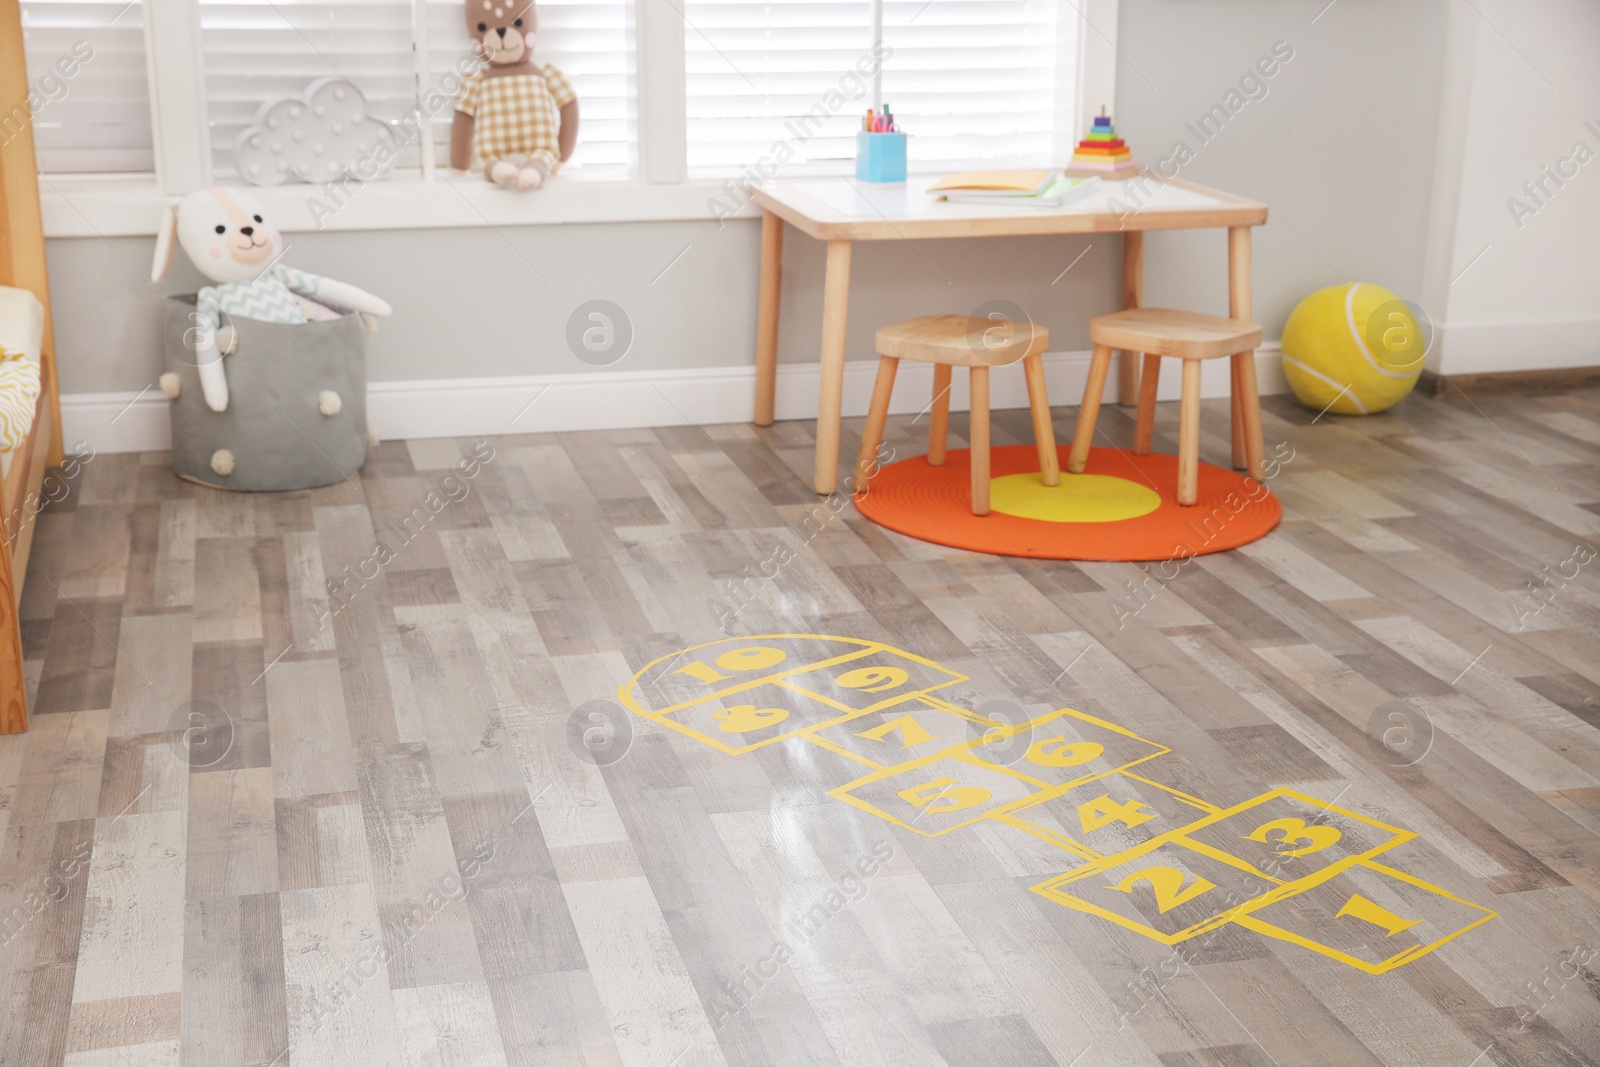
point(225, 233)
point(518, 118)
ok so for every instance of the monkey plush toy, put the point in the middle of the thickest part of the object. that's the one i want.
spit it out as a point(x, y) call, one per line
point(518, 118)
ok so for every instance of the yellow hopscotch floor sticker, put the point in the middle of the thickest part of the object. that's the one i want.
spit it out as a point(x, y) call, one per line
point(1145, 856)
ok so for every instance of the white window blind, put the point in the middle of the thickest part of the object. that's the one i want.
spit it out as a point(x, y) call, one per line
point(97, 119)
point(259, 50)
point(972, 81)
point(759, 75)
point(587, 40)
point(982, 81)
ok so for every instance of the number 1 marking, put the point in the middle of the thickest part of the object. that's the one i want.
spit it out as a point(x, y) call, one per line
point(1359, 907)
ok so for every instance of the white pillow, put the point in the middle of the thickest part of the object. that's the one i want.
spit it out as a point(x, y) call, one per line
point(21, 322)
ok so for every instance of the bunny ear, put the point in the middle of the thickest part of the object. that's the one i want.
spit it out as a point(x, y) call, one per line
point(166, 242)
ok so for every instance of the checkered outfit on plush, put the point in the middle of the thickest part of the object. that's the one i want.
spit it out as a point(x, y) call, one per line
point(516, 116)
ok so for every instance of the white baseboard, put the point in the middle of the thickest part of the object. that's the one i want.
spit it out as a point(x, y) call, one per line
point(460, 407)
point(1543, 344)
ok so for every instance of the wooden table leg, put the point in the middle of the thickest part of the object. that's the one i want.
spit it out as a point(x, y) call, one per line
point(1244, 363)
point(767, 318)
point(830, 392)
point(1132, 297)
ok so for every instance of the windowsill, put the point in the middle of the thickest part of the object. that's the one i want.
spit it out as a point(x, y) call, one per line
point(132, 205)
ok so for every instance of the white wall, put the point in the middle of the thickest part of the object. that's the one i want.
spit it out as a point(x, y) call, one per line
point(1341, 146)
point(1519, 290)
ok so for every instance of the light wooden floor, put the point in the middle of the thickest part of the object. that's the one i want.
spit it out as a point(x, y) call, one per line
point(256, 824)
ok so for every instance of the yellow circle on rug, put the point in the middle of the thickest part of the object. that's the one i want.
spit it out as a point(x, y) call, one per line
point(1079, 498)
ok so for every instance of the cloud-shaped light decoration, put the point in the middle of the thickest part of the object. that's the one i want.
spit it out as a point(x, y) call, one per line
point(319, 136)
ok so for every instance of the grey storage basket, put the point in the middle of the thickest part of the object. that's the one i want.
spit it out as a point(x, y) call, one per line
point(274, 426)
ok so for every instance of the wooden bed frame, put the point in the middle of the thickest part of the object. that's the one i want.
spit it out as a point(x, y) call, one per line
point(22, 265)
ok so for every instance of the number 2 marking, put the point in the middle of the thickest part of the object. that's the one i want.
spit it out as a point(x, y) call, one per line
point(1168, 885)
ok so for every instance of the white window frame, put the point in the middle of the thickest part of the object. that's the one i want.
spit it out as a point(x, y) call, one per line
point(116, 206)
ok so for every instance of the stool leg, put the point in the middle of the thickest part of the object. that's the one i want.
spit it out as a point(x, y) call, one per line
point(1189, 434)
point(1090, 410)
point(1237, 419)
point(877, 415)
point(1250, 409)
point(1044, 433)
point(939, 422)
point(980, 440)
point(1145, 426)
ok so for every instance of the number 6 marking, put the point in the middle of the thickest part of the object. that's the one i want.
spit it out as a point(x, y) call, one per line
point(1063, 753)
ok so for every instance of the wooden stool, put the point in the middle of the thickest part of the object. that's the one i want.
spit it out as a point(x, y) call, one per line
point(1190, 337)
point(958, 341)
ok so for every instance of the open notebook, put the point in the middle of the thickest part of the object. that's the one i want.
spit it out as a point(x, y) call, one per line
point(1012, 188)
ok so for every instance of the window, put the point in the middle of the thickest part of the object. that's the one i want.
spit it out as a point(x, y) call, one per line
point(587, 40)
point(90, 94)
point(987, 81)
point(753, 71)
point(671, 90)
point(260, 50)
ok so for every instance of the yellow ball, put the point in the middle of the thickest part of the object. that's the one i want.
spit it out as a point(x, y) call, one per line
point(1353, 349)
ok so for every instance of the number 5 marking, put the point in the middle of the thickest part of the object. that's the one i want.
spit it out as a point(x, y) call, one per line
point(943, 795)
point(1168, 885)
point(1296, 832)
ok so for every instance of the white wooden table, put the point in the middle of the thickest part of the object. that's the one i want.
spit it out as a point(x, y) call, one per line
point(842, 211)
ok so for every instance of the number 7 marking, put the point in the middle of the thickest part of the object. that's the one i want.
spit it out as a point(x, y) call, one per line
point(911, 731)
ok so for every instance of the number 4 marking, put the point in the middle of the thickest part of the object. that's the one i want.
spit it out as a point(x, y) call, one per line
point(1102, 811)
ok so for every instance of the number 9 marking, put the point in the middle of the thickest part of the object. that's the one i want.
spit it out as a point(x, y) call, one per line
point(873, 679)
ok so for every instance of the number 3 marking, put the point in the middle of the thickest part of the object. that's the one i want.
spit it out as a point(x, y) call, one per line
point(1296, 832)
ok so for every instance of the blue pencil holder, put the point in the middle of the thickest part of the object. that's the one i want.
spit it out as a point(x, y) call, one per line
point(880, 157)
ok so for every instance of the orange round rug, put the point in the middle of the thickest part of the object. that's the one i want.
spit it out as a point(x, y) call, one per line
point(1124, 507)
